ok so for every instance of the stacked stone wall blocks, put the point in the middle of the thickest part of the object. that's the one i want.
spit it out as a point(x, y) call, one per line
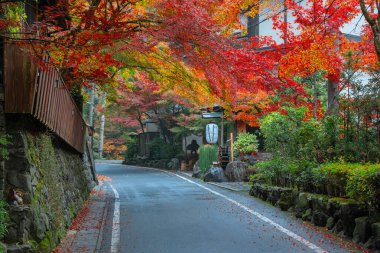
point(53, 182)
point(341, 216)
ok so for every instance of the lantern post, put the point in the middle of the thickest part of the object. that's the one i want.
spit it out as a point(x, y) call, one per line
point(215, 112)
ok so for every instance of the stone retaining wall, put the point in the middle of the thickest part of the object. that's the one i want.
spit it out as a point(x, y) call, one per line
point(341, 216)
point(53, 182)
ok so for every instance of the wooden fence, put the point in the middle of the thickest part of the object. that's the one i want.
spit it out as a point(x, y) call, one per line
point(41, 92)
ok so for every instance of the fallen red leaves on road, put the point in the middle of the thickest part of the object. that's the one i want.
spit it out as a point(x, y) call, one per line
point(345, 244)
point(102, 178)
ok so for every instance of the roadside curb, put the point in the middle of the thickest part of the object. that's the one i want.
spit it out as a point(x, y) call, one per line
point(228, 187)
point(87, 236)
point(184, 174)
point(213, 183)
point(101, 229)
point(223, 186)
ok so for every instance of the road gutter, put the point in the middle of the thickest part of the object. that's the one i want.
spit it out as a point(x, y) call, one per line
point(101, 229)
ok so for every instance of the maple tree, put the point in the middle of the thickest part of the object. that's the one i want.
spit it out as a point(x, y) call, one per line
point(368, 9)
point(137, 102)
point(186, 47)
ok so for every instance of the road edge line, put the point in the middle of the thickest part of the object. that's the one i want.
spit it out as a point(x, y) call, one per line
point(289, 233)
point(115, 239)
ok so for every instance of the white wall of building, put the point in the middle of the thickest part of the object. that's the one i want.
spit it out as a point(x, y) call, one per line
point(266, 23)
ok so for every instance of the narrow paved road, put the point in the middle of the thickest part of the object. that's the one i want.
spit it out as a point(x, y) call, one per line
point(160, 212)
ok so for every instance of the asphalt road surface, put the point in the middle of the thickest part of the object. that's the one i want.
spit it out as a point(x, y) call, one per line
point(152, 211)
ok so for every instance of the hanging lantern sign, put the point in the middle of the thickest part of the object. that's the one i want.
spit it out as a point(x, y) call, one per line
point(212, 131)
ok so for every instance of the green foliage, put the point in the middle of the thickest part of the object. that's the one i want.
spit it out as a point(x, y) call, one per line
point(4, 219)
point(259, 178)
point(15, 12)
point(54, 164)
point(335, 176)
point(4, 141)
point(132, 148)
point(287, 173)
point(361, 182)
point(246, 143)
point(364, 185)
point(355, 143)
point(207, 155)
point(289, 135)
point(359, 112)
point(159, 149)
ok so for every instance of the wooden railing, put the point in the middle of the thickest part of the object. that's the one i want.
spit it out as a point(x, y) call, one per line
point(41, 92)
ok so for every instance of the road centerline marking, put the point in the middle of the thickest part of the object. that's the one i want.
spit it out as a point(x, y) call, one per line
point(289, 233)
point(115, 239)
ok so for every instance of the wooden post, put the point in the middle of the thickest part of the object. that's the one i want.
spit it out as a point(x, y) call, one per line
point(222, 131)
point(232, 147)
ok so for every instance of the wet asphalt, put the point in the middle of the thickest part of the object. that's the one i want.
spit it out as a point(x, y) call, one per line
point(163, 213)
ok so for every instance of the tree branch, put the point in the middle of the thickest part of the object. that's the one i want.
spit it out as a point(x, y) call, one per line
point(366, 14)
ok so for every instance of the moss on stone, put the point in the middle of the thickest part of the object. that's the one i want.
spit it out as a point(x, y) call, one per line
point(342, 201)
point(60, 191)
point(2, 248)
point(44, 246)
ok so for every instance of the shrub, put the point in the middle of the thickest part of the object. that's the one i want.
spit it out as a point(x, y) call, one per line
point(335, 176)
point(4, 141)
point(246, 143)
point(288, 173)
point(4, 219)
point(159, 149)
point(132, 148)
point(290, 135)
point(259, 178)
point(363, 185)
point(207, 155)
point(361, 182)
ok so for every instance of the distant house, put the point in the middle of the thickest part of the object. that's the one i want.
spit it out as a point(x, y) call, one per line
point(262, 24)
point(151, 132)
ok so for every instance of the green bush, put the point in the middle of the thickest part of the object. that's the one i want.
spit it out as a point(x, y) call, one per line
point(363, 185)
point(288, 173)
point(132, 148)
point(259, 178)
point(290, 135)
point(4, 141)
point(246, 143)
point(207, 155)
point(360, 182)
point(4, 219)
point(159, 149)
point(335, 177)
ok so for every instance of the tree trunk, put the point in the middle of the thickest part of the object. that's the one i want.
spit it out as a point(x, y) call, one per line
point(374, 23)
point(315, 98)
point(332, 97)
point(101, 130)
point(92, 102)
